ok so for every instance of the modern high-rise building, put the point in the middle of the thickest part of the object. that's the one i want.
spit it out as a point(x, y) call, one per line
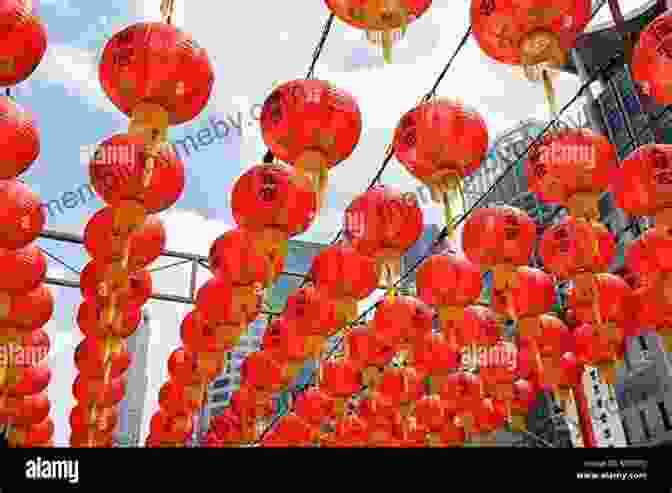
point(297, 263)
point(132, 407)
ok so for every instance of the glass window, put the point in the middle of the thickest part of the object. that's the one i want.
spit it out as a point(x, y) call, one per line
point(615, 120)
point(631, 102)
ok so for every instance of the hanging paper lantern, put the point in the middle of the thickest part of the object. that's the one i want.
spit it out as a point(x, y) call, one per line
point(345, 275)
point(315, 315)
point(531, 293)
point(369, 353)
point(275, 198)
point(19, 137)
point(499, 238)
point(92, 321)
point(156, 63)
point(649, 257)
point(529, 35)
point(103, 420)
point(25, 381)
point(436, 357)
point(551, 343)
point(172, 429)
point(21, 215)
point(27, 266)
point(98, 283)
point(233, 256)
point(95, 390)
point(287, 345)
point(572, 247)
point(32, 349)
point(103, 245)
point(32, 436)
point(524, 400)
point(421, 144)
point(382, 418)
point(182, 366)
point(642, 183)
point(402, 320)
point(650, 58)
point(570, 376)
point(200, 336)
point(218, 301)
point(314, 406)
point(340, 378)
point(462, 393)
point(177, 399)
point(312, 125)
point(403, 386)
point(477, 326)
point(92, 354)
point(119, 171)
point(384, 223)
point(291, 431)
point(30, 410)
point(571, 167)
point(22, 49)
point(385, 22)
point(262, 372)
point(28, 311)
point(448, 280)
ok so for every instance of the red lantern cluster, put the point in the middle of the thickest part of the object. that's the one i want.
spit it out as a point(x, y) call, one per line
point(137, 175)
point(26, 303)
point(652, 59)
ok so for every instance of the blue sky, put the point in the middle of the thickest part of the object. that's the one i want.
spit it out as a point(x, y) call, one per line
point(250, 53)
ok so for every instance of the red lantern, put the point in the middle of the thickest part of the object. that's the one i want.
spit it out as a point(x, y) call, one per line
point(103, 420)
point(368, 352)
point(649, 257)
point(650, 59)
point(382, 418)
point(314, 406)
point(28, 311)
point(262, 372)
point(20, 138)
point(451, 435)
point(104, 244)
point(172, 429)
point(384, 223)
point(26, 381)
point(30, 410)
point(529, 35)
point(98, 440)
point(315, 315)
point(384, 22)
point(92, 355)
point(403, 386)
point(89, 391)
point(462, 393)
point(92, 322)
point(402, 320)
point(530, 293)
point(273, 197)
point(22, 49)
point(436, 356)
point(478, 326)
point(642, 183)
point(218, 301)
point(182, 367)
point(345, 275)
point(312, 125)
point(575, 246)
point(421, 145)
point(28, 268)
point(119, 172)
point(571, 372)
point(22, 218)
point(285, 343)
point(431, 413)
point(500, 239)
point(572, 167)
point(35, 435)
point(524, 399)
point(551, 343)
point(97, 283)
point(448, 280)
point(233, 256)
point(291, 431)
point(157, 63)
point(200, 336)
point(351, 431)
point(340, 379)
point(33, 349)
point(177, 399)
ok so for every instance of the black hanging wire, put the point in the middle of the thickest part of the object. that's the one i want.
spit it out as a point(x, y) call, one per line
point(614, 61)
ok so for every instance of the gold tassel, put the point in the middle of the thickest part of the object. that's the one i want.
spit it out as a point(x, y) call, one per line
point(550, 94)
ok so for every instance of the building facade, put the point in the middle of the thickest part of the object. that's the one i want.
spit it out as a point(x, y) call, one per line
point(132, 407)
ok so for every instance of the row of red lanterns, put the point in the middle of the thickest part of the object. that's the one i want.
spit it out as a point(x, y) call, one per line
point(138, 176)
point(26, 304)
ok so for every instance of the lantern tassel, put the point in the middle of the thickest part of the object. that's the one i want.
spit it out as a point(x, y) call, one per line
point(549, 92)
